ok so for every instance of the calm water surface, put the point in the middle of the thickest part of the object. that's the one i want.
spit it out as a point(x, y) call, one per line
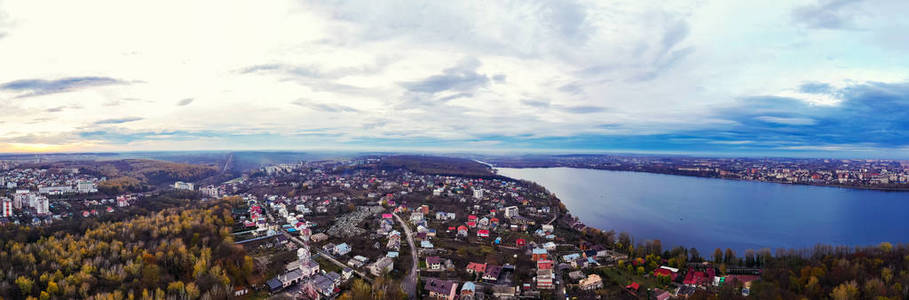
point(714, 213)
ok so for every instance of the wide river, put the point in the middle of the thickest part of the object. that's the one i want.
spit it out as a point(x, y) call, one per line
point(711, 213)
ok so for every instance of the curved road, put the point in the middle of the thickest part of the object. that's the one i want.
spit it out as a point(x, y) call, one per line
point(410, 282)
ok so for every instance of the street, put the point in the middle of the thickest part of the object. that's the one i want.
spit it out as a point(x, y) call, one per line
point(410, 283)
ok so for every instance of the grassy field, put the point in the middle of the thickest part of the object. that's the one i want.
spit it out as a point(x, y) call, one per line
point(327, 265)
point(623, 277)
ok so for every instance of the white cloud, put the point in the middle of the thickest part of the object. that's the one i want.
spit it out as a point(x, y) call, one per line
point(360, 70)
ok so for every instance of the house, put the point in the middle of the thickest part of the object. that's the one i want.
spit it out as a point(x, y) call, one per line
point(520, 242)
point(672, 273)
point(433, 263)
point(274, 284)
point(539, 254)
point(492, 273)
point(285, 280)
point(445, 216)
point(309, 268)
point(545, 264)
point(544, 279)
point(341, 250)
point(592, 282)
point(323, 284)
point(468, 291)
point(476, 268)
point(440, 289)
point(361, 259)
point(659, 294)
point(547, 228)
point(511, 211)
point(633, 287)
point(549, 246)
point(702, 278)
point(416, 217)
point(426, 244)
point(354, 263)
point(483, 233)
point(381, 266)
point(570, 257)
point(582, 262)
point(462, 231)
point(503, 291)
point(685, 291)
point(335, 277)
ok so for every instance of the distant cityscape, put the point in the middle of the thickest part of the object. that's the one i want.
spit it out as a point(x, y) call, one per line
point(851, 173)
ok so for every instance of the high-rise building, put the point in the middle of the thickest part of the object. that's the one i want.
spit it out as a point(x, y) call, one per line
point(180, 185)
point(511, 211)
point(7, 207)
point(86, 187)
point(42, 205)
point(210, 191)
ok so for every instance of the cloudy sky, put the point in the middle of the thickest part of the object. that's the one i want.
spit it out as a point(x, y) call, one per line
point(815, 77)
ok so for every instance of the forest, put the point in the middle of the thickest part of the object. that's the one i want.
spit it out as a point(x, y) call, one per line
point(134, 175)
point(186, 253)
point(431, 165)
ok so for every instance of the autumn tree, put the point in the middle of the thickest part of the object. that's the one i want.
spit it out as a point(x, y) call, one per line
point(718, 255)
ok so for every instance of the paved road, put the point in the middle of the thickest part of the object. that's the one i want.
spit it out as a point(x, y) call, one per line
point(325, 255)
point(553, 219)
point(230, 157)
point(410, 283)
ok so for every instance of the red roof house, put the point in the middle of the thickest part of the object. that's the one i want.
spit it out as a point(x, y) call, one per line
point(633, 286)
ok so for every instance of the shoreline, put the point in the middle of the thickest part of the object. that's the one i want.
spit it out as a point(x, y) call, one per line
point(847, 187)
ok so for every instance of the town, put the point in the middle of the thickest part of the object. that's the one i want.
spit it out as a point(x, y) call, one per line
point(322, 225)
point(850, 173)
point(395, 227)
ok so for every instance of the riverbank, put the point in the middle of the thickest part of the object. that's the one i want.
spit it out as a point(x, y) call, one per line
point(851, 187)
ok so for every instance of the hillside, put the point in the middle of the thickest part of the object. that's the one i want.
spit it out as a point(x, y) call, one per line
point(136, 174)
point(435, 165)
